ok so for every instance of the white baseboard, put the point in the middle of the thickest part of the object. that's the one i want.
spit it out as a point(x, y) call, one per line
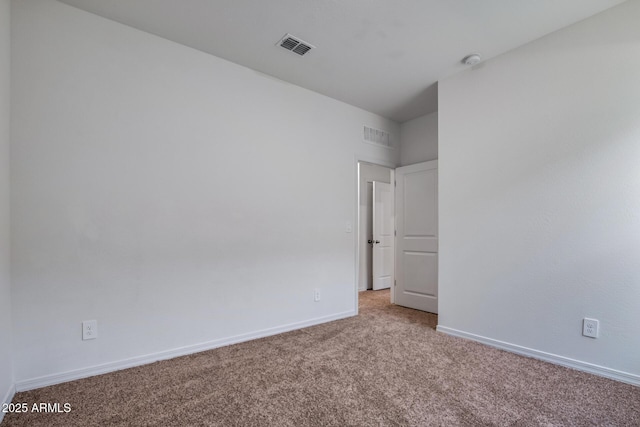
point(602, 371)
point(7, 398)
point(90, 371)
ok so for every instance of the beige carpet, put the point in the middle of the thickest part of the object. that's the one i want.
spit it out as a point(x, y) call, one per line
point(386, 367)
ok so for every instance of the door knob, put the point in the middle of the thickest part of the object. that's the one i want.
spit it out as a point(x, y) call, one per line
point(377, 241)
point(370, 241)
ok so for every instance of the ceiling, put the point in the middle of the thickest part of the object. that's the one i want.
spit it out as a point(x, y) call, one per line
point(384, 56)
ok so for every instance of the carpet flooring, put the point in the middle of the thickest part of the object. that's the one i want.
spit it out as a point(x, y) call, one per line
point(386, 367)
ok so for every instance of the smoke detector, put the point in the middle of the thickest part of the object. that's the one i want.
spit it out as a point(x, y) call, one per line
point(472, 59)
point(295, 44)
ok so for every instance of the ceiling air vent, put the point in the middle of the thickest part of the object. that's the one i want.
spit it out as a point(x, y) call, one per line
point(378, 137)
point(295, 44)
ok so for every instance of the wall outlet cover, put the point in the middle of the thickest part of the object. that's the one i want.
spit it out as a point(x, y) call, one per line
point(89, 329)
point(590, 327)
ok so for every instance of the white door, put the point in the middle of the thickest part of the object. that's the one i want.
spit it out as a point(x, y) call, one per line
point(382, 239)
point(417, 236)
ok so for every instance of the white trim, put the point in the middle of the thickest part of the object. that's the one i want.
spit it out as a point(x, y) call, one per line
point(418, 167)
point(392, 291)
point(356, 242)
point(579, 365)
point(8, 398)
point(90, 371)
point(375, 161)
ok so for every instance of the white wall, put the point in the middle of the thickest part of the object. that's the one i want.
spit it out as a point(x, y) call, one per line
point(419, 139)
point(368, 174)
point(539, 194)
point(6, 366)
point(173, 196)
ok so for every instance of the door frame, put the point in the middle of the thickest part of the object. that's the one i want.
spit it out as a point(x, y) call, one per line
point(356, 242)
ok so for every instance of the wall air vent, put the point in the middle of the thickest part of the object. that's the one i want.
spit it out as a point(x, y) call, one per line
point(378, 137)
point(295, 44)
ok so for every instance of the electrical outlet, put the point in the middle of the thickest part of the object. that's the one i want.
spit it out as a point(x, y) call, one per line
point(316, 294)
point(89, 329)
point(590, 327)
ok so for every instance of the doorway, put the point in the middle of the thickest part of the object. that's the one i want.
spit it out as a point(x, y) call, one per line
point(375, 181)
point(413, 231)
